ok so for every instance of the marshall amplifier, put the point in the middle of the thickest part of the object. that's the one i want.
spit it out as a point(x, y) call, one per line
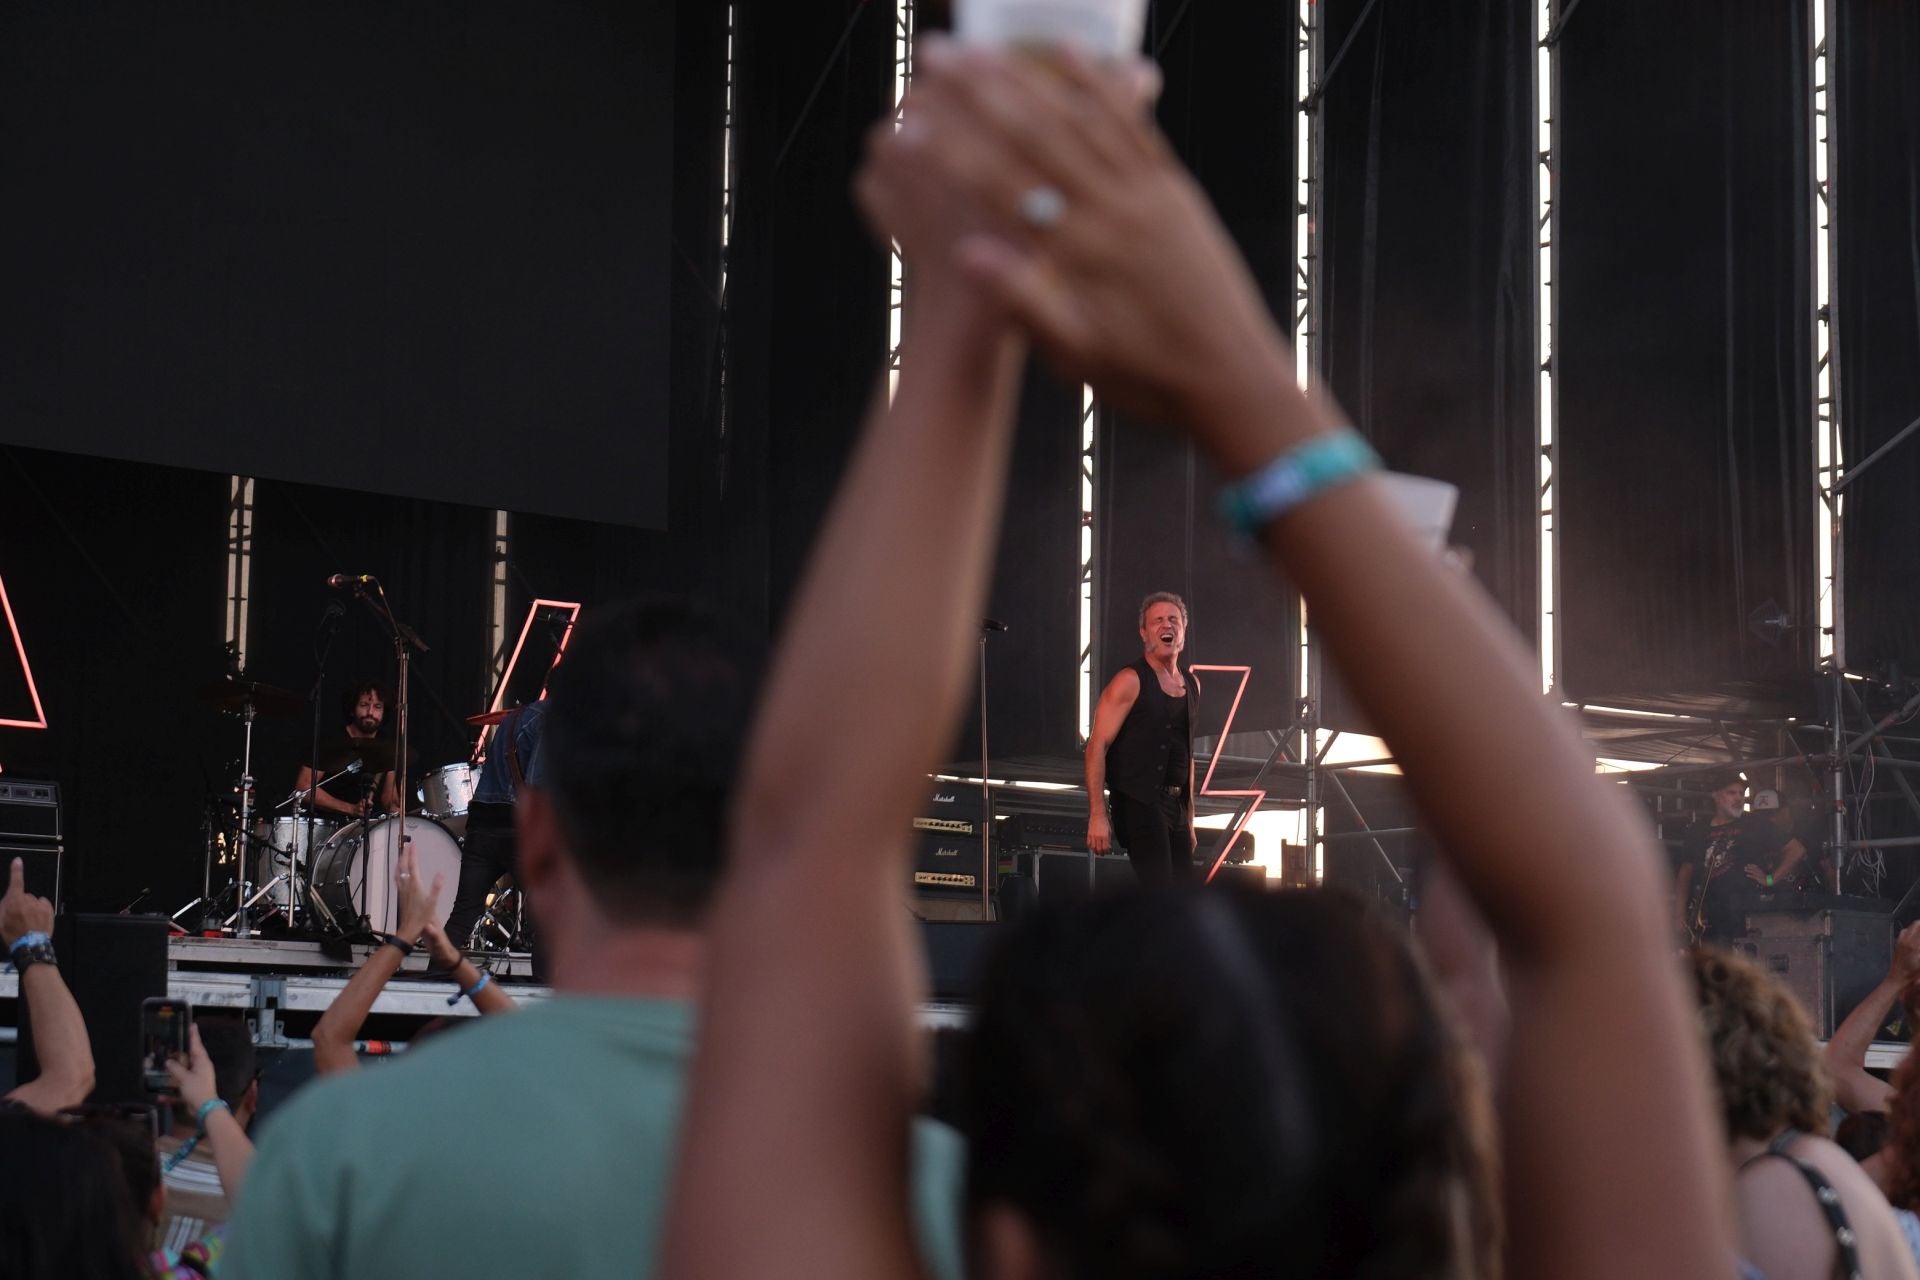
point(946, 864)
point(30, 830)
point(952, 809)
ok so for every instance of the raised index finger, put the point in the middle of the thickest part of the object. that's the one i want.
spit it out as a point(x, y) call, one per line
point(17, 878)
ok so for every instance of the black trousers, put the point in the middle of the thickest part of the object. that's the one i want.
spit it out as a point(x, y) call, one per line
point(1156, 838)
point(491, 851)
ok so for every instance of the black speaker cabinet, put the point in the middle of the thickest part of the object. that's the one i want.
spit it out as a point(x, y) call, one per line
point(111, 963)
point(1830, 958)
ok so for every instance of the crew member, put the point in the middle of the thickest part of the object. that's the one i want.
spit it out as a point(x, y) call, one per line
point(1141, 749)
point(1731, 858)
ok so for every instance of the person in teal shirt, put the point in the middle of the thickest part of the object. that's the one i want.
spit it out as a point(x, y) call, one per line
point(542, 1144)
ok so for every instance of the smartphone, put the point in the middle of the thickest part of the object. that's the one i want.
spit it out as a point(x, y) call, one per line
point(163, 1034)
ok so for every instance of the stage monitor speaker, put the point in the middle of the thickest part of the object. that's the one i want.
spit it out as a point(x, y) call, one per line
point(42, 865)
point(111, 963)
point(1830, 958)
point(956, 950)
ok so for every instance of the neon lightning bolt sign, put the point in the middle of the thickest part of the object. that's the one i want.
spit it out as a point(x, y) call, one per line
point(1206, 783)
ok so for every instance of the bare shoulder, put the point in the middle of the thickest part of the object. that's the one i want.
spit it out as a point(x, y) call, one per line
point(1784, 1230)
point(1124, 685)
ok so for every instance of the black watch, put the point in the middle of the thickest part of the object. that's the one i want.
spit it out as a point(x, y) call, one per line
point(24, 958)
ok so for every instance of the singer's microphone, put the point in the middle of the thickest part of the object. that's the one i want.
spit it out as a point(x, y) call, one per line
point(349, 580)
point(992, 624)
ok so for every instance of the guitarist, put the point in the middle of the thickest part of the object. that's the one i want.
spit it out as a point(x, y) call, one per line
point(1731, 858)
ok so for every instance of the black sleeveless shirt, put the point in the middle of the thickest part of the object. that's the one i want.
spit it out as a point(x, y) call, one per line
point(1155, 742)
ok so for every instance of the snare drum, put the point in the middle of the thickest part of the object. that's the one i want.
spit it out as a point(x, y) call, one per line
point(344, 892)
point(446, 791)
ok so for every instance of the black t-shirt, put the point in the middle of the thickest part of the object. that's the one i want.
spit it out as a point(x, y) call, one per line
point(349, 788)
point(1720, 856)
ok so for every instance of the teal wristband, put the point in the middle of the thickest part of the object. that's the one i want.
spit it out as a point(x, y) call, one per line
point(469, 992)
point(207, 1108)
point(1325, 462)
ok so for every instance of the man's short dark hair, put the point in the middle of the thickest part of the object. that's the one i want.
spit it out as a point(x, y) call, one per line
point(230, 1048)
point(649, 712)
point(351, 695)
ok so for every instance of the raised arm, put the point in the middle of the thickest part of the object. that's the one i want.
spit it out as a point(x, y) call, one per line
point(59, 1031)
point(1115, 701)
point(1845, 1057)
point(334, 1034)
point(807, 1040)
point(199, 1092)
point(1138, 289)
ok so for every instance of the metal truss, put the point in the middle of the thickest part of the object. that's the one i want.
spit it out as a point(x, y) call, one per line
point(1309, 210)
point(1089, 425)
point(497, 597)
point(896, 265)
point(1550, 19)
point(239, 565)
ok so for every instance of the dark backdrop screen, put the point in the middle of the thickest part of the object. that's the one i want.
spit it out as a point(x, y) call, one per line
point(417, 249)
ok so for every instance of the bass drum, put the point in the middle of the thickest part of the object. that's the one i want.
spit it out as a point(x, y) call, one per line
point(342, 892)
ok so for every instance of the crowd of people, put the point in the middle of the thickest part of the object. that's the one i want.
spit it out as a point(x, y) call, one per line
point(1173, 1082)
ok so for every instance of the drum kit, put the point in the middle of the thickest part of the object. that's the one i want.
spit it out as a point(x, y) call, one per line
point(303, 871)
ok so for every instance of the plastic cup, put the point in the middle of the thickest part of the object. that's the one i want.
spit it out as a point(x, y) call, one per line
point(1098, 28)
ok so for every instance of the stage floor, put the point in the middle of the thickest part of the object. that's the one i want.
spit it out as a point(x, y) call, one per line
point(284, 985)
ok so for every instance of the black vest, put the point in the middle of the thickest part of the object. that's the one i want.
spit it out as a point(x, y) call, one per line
point(1154, 739)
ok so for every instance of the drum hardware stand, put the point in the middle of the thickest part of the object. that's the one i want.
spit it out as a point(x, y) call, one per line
point(291, 877)
point(329, 631)
point(210, 833)
point(242, 929)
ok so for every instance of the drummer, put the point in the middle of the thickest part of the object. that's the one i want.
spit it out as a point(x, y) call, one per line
point(513, 762)
point(363, 709)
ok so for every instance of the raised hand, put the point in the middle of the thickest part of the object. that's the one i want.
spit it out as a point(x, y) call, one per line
point(21, 912)
point(416, 902)
point(193, 1079)
point(1086, 227)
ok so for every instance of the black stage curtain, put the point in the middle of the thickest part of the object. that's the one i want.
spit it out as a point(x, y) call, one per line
point(713, 547)
point(1685, 433)
point(1033, 667)
point(1229, 109)
point(432, 558)
point(1877, 287)
point(234, 231)
point(807, 311)
point(1427, 306)
point(116, 574)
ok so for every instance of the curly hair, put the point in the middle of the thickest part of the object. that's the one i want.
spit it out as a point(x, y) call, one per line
point(1226, 1084)
point(1765, 1059)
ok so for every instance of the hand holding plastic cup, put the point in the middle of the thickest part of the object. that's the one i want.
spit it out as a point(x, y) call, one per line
point(1097, 28)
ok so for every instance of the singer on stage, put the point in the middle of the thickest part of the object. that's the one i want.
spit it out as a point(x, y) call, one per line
point(1141, 749)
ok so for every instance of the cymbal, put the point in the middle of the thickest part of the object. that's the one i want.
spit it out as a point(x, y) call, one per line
point(267, 699)
point(491, 717)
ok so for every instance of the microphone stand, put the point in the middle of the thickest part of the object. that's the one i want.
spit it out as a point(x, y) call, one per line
point(987, 627)
point(405, 643)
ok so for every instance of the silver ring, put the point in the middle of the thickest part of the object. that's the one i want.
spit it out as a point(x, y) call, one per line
point(405, 876)
point(1042, 207)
